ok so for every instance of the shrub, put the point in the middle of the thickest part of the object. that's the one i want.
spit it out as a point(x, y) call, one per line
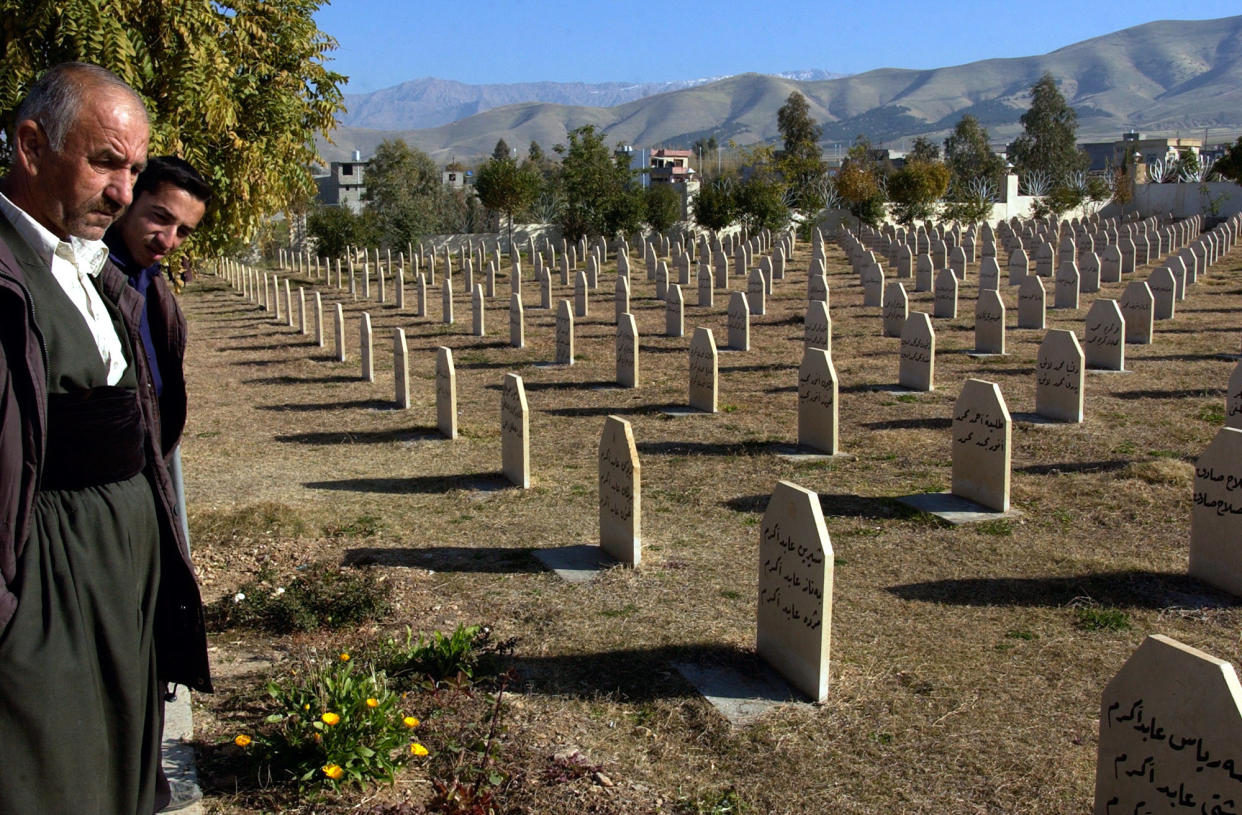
point(323, 595)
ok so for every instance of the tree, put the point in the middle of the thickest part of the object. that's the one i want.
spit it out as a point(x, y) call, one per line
point(501, 150)
point(858, 183)
point(714, 207)
point(1048, 142)
point(915, 189)
point(405, 195)
point(239, 89)
point(335, 228)
point(662, 206)
point(504, 186)
point(801, 164)
point(968, 156)
point(706, 148)
point(1230, 164)
point(599, 196)
point(760, 203)
point(924, 150)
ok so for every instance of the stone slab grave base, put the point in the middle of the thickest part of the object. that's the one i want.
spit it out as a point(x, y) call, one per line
point(954, 509)
point(895, 390)
point(679, 412)
point(552, 365)
point(1035, 418)
point(983, 355)
point(1107, 371)
point(805, 455)
point(575, 564)
point(741, 696)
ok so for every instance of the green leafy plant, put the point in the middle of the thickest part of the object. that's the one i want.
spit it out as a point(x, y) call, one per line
point(724, 802)
point(322, 595)
point(466, 654)
point(471, 782)
point(1092, 618)
point(332, 726)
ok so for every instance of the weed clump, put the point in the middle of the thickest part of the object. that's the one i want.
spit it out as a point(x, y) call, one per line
point(323, 595)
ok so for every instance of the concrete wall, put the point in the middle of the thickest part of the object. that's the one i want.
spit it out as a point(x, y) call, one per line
point(1185, 200)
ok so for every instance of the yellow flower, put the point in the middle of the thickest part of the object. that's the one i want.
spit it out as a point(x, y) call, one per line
point(410, 722)
point(242, 740)
point(417, 749)
point(330, 718)
point(373, 702)
point(306, 706)
point(344, 657)
point(333, 771)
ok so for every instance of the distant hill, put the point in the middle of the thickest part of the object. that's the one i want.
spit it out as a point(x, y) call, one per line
point(431, 102)
point(1161, 76)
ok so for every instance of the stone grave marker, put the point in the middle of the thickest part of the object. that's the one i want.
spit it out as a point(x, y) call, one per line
point(400, 369)
point(756, 292)
point(1110, 264)
point(1019, 267)
point(1138, 306)
point(1031, 302)
point(1170, 733)
point(704, 283)
point(817, 402)
point(904, 262)
point(515, 432)
point(794, 620)
point(817, 326)
point(957, 262)
point(661, 281)
point(896, 308)
point(620, 493)
point(446, 392)
point(674, 313)
point(1065, 288)
point(703, 370)
point(627, 351)
point(446, 301)
point(477, 312)
point(1059, 377)
point(924, 271)
point(1233, 399)
point(944, 303)
point(517, 322)
point(1105, 337)
point(319, 338)
point(981, 445)
point(1089, 273)
point(1163, 292)
point(420, 296)
point(817, 288)
point(340, 334)
point(1216, 514)
point(872, 277)
point(917, 369)
point(581, 306)
point(989, 322)
point(989, 274)
point(1178, 268)
point(738, 322)
point(621, 297)
point(564, 334)
point(366, 350)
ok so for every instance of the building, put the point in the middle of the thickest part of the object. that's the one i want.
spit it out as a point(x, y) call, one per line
point(670, 166)
point(345, 184)
point(1157, 148)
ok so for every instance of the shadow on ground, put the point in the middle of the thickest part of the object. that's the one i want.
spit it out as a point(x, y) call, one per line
point(364, 436)
point(501, 560)
point(1128, 589)
point(483, 482)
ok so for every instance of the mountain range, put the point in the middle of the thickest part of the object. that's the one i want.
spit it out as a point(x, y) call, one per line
point(1162, 76)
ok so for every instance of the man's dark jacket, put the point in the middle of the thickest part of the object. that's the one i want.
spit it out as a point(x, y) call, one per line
point(180, 635)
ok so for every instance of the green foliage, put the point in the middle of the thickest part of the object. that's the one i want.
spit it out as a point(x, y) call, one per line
point(599, 196)
point(331, 726)
point(1094, 618)
point(1048, 143)
point(760, 203)
point(924, 150)
point(1059, 200)
point(801, 165)
point(335, 228)
point(505, 186)
point(724, 802)
point(1230, 164)
point(405, 196)
point(466, 653)
point(970, 158)
point(322, 595)
point(860, 189)
point(915, 189)
point(501, 150)
point(238, 90)
point(714, 207)
point(661, 206)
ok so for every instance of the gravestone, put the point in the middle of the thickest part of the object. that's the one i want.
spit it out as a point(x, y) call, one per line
point(627, 351)
point(1065, 289)
point(989, 274)
point(872, 277)
point(896, 309)
point(756, 292)
point(1059, 377)
point(1031, 302)
point(1089, 273)
point(661, 281)
point(1216, 514)
point(564, 334)
point(794, 619)
point(366, 349)
point(703, 370)
point(420, 296)
point(957, 262)
point(621, 297)
point(477, 312)
point(904, 262)
point(517, 322)
point(944, 303)
point(981, 445)
point(704, 282)
point(989, 322)
point(319, 338)
point(817, 402)
point(1233, 398)
point(545, 289)
point(817, 326)
point(340, 334)
point(924, 271)
point(1170, 733)
point(1019, 267)
point(1137, 306)
point(817, 288)
point(1105, 347)
point(581, 306)
point(446, 392)
point(674, 313)
point(515, 432)
point(446, 301)
point(738, 322)
point(1110, 265)
point(400, 369)
point(620, 493)
point(1163, 293)
point(917, 369)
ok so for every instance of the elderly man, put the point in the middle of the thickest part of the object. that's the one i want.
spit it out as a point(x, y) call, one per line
point(98, 601)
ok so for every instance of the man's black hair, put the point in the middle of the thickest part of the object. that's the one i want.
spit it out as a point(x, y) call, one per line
point(172, 170)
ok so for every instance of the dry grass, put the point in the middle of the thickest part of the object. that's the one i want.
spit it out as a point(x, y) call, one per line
point(963, 679)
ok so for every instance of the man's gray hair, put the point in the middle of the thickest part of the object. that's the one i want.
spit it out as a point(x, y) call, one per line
point(55, 99)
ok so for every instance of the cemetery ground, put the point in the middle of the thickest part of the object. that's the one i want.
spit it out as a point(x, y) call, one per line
point(967, 662)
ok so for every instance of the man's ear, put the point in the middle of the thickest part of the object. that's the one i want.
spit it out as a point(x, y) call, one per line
point(31, 146)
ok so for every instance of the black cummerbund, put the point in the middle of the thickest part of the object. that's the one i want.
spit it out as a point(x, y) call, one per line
point(94, 436)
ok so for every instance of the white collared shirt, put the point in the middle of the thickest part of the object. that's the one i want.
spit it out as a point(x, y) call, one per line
point(73, 263)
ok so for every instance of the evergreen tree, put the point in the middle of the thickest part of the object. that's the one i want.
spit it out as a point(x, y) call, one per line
point(406, 197)
point(662, 206)
point(969, 157)
point(599, 196)
point(1230, 164)
point(1047, 144)
point(501, 150)
point(505, 186)
point(802, 164)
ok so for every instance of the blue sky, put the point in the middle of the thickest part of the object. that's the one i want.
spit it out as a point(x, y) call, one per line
point(386, 42)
